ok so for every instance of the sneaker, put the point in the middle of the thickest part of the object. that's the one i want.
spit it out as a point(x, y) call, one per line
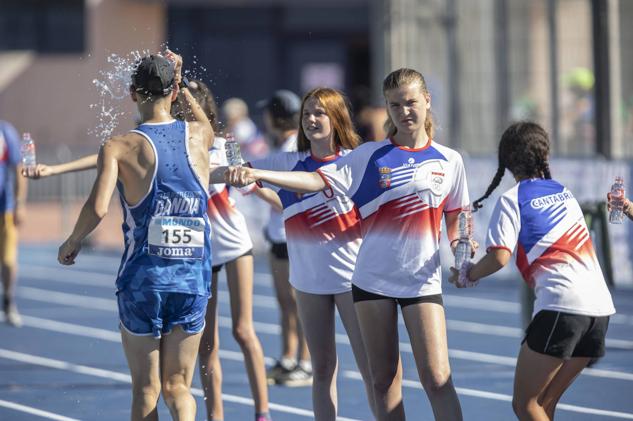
point(12, 317)
point(297, 377)
point(281, 367)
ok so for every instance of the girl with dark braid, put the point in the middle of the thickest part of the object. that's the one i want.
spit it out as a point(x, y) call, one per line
point(542, 220)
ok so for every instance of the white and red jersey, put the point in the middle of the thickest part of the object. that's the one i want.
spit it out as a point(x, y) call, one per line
point(229, 234)
point(401, 194)
point(322, 229)
point(554, 251)
point(275, 231)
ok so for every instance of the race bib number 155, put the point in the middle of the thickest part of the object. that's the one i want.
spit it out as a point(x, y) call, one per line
point(176, 237)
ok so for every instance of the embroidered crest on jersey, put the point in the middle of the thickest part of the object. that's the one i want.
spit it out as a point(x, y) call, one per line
point(430, 176)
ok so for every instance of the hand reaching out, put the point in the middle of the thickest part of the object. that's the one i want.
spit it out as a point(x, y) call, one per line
point(239, 176)
point(39, 171)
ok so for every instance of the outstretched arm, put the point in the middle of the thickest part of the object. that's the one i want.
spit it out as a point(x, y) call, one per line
point(41, 170)
point(96, 207)
point(297, 181)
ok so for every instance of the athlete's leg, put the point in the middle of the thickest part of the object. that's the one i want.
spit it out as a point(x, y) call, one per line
point(142, 353)
point(239, 274)
point(178, 352)
point(209, 360)
point(561, 382)
point(8, 267)
point(534, 373)
point(378, 321)
point(427, 332)
point(293, 341)
point(345, 306)
point(317, 318)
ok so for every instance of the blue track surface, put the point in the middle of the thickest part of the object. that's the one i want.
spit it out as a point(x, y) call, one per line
point(67, 360)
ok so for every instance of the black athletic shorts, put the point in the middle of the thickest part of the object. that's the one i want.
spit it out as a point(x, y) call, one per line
point(359, 294)
point(279, 250)
point(565, 335)
point(217, 268)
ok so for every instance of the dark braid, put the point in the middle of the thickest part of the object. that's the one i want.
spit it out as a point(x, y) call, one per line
point(493, 185)
point(546, 172)
point(524, 150)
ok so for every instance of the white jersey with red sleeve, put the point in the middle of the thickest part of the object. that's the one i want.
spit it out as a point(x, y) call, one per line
point(401, 194)
point(275, 231)
point(554, 252)
point(322, 229)
point(229, 234)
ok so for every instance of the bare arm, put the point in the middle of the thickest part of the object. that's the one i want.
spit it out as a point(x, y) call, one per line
point(297, 181)
point(194, 110)
point(41, 170)
point(452, 226)
point(270, 197)
point(96, 207)
point(21, 190)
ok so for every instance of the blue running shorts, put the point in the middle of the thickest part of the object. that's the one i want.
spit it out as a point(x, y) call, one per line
point(146, 313)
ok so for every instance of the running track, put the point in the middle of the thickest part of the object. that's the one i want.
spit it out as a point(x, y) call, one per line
point(67, 363)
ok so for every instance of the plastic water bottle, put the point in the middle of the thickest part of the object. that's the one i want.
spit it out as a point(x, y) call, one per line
point(616, 215)
point(233, 154)
point(27, 151)
point(464, 249)
point(234, 158)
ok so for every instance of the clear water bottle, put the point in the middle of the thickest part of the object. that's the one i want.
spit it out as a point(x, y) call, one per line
point(27, 151)
point(616, 215)
point(233, 154)
point(234, 158)
point(464, 249)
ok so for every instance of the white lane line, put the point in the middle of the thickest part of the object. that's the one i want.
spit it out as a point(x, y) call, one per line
point(507, 398)
point(271, 303)
point(350, 374)
point(34, 411)
point(81, 276)
point(125, 378)
point(273, 329)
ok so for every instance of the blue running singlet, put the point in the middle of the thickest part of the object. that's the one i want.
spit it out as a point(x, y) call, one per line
point(167, 234)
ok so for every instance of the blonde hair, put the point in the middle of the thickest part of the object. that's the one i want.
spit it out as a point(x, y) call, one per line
point(337, 110)
point(397, 79)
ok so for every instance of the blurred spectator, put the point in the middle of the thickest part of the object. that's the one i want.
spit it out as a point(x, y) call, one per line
point(577, 125)
point(368, 119)
point(252, 143)
point(12, 201)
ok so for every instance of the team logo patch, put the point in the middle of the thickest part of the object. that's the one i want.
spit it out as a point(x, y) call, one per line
point(385, 177)
point(431, 176)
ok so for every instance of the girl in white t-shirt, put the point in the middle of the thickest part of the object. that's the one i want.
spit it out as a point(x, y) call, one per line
point(401, 188)
point(541, 220)
point(323, 237)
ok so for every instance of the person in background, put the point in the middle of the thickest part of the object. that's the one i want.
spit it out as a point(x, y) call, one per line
point(13, 190)
point(293, 368)
point(252, 143)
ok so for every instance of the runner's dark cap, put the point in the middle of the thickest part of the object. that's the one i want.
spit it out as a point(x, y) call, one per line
point(283, 104)
point(154, 75)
